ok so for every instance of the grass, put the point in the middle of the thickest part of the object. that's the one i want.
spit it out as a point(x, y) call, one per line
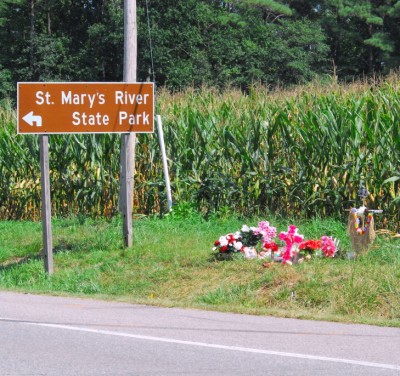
point(171, 264)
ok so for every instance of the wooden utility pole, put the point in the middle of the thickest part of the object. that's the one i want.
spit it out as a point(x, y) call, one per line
point(128, 140)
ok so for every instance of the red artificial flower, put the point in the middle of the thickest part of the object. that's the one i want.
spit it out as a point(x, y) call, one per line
point(217, 243)
point(271, 246)
point(310, 245)
point(224, 248)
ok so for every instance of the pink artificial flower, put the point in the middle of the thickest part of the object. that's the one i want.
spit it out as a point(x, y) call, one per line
point(267, 231)
point(328, 246)
point(291, 237)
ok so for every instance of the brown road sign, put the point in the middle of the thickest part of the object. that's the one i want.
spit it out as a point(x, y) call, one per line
point(85, 107)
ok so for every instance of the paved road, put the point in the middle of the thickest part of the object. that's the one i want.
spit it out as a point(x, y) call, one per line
point(41, 335)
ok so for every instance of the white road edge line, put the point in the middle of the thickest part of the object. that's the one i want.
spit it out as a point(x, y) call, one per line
point(211, 345)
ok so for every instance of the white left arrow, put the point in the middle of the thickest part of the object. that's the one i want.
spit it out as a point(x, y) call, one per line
point(31, 118)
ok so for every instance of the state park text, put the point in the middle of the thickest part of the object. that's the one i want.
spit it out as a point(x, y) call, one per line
point(89, 100)
point(85, 107)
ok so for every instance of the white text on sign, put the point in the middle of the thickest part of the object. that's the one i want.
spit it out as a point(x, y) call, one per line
point(85, 107)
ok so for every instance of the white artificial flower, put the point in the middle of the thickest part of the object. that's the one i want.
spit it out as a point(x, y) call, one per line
point(245, 228)
point(238, 246)
point(223, 241)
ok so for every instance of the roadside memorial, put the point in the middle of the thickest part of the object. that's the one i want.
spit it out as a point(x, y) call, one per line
point(291, 247)
point(260, 242)
point(361, 226)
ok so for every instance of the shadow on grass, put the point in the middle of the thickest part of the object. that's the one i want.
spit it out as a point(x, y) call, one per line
point(17, 261)
point(223, 257)
point(65, 246)
point(62, 246)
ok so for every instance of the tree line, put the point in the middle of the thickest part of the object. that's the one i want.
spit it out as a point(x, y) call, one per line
point(192, 43)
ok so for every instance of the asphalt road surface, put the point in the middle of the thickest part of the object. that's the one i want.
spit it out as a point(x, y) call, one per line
point(43, 335)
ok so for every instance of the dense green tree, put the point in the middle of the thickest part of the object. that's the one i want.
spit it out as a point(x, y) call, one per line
point(194, 42)
point(235, 43)
point(180, 33)
point(370, 15)
point(362, 34)
point(48, 40)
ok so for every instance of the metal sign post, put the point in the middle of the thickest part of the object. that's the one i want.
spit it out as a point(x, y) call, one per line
point(46, 204)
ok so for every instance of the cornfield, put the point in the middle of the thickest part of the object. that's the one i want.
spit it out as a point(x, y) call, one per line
point(299, 153)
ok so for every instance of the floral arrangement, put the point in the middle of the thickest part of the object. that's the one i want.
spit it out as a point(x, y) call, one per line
point(310, 246)
point(290, 237)
point(271, 246)
point(230, 243)
point(268, 232)
point(251, 235)
point(328, 246)
point(359, 216)
point(258, 242)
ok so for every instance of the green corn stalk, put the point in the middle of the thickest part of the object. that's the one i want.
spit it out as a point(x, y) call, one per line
point(299, 153)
